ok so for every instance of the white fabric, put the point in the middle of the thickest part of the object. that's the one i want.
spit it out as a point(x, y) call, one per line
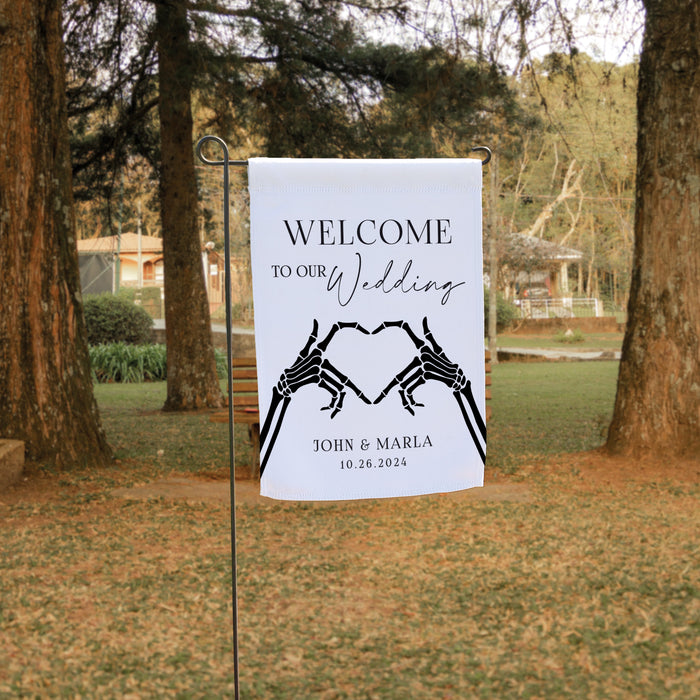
point(386, 241)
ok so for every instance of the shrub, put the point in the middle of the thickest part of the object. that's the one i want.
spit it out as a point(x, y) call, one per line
point(506, 312)
point(148, 298)
point(221, 363)
point(127, 294)
point(120, 362)
point(151, 301)
point(111, 319)
point(569, 336)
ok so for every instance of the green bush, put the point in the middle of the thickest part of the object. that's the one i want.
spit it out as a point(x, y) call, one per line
point(127, 294)
point(121, 362)
point(221, 363)
point(151, 301)
point(111, 319)
point(506, 312)
point(569, 336)
point(148, 298)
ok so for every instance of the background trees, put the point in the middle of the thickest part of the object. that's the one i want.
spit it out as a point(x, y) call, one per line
point(315, 79)
point(299, 78)
point(45, 382)
point(572, 179)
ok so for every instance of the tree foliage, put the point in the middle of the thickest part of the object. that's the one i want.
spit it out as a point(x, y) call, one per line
point(271, 77)
point(589, 110)
point(111, 92)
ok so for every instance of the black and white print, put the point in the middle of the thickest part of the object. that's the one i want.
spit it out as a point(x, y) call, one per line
point(368, 295)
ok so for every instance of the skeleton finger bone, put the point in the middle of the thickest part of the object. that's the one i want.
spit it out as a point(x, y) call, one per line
point(339, 325)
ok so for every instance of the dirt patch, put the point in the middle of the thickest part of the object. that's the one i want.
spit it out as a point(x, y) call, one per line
point(604, 476)
point(248, 492)
point(585, 470)
point(598, 468)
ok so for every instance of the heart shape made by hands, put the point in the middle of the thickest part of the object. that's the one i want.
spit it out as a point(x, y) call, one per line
point(371, 360)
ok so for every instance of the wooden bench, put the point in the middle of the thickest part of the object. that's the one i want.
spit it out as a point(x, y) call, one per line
point(244, 374)
point(487, 370)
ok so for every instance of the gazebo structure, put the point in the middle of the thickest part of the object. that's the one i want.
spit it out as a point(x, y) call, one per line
point(536, 276)
point(534, 262)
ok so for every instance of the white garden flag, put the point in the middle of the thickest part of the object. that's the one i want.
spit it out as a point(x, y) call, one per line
point(368, 294)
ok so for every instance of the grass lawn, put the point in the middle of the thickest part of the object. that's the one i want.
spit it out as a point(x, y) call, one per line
point(587, 588)
point(546, 408)
point(591, 341)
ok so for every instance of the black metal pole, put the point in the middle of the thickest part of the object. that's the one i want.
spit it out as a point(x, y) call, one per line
point(225, 163)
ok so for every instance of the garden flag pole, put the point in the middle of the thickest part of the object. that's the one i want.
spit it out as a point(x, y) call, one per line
point(371, 329)
point(225, 163)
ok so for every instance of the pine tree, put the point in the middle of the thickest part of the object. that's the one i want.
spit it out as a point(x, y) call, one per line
point(45, 381)
point(657, 409)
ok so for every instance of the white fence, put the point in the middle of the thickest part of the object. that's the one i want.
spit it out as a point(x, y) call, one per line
point(565, 307)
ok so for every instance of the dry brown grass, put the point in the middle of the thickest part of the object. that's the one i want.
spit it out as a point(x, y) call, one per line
point(589, 590)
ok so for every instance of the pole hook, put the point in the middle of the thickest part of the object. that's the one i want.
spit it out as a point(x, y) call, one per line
point(486, 150)
point(222, 143)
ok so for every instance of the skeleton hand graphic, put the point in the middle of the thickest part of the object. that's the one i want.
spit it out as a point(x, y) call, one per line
point(310, 367)
point(431, 363)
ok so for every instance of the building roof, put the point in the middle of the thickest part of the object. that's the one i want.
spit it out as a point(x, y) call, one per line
point(129, 244)
point(541, 249)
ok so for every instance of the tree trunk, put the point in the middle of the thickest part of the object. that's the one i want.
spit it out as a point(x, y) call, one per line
point(580, 288)
point(657, 409)
point(46, 396)
point(192, 380)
